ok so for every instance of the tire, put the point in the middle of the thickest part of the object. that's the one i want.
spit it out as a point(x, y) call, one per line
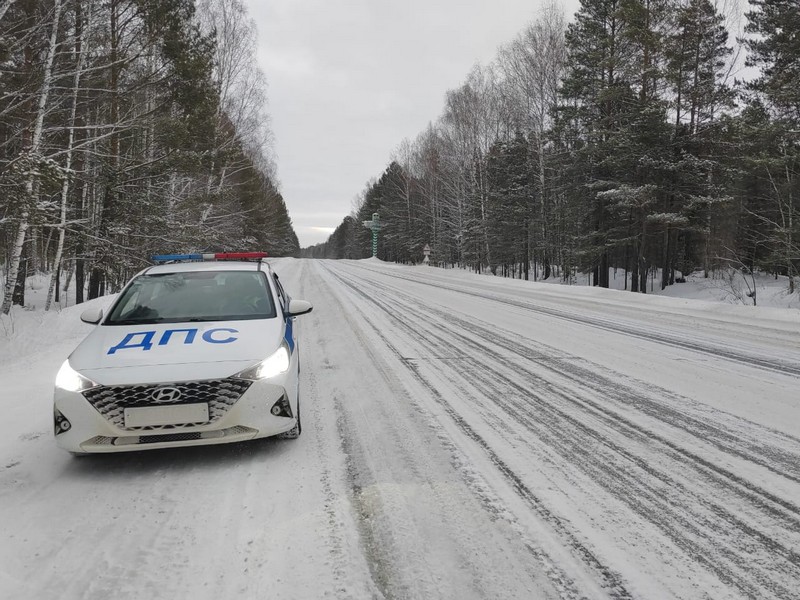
point(295, 431)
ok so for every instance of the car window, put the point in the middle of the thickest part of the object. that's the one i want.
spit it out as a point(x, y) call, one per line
point(126, 306)
point(194, 296)
point(281, 293)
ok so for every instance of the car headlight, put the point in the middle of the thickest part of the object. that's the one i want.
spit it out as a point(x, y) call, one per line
point(269, 367)
point(72, 381)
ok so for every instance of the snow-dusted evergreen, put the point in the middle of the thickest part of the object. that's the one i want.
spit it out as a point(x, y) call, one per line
point(127, 128)
point(624, 140)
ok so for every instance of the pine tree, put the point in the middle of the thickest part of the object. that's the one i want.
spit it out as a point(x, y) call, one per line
point(509, 206)
point(597, 103)
point(775, 47)
point(112, 128)
point(697, 66)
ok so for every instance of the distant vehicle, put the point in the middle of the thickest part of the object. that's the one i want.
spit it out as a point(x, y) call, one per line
point(199, 350)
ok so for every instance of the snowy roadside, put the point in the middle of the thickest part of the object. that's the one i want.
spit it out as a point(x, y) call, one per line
point(24, 333)
point(33, 345)
point(725, 288)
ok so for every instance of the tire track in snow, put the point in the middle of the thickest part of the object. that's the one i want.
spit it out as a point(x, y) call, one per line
point(387, 526)
point(791, 522)
point(788, 554)
point(336, 527)
point(376, 540)
point(624, 426)
point(371, 546)
point(761, 448)
point(628, 329)
point(609, 579)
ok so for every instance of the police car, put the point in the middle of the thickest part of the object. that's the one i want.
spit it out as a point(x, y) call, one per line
point(199, 349)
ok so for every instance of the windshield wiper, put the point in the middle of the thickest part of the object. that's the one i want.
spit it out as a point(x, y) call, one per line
point(136, 321)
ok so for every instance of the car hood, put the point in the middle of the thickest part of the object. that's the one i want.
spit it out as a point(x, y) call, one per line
point(121, 355)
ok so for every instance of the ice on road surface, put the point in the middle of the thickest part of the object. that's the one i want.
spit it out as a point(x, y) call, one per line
point(463, 437)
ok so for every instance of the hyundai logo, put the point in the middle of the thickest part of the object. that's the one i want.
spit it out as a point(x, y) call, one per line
point(165, 395)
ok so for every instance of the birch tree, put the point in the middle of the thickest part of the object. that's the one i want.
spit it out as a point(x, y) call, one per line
point(80, 34)
point(33, 158)
point(533, 67)
point(113, 112)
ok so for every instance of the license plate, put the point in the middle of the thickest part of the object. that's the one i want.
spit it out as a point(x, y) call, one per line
point(180, 414)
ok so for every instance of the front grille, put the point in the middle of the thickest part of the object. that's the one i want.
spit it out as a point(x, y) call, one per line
point(219, 394)
point(169, 437)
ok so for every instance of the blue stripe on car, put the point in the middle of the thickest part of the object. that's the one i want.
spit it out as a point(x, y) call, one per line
point(288, 335)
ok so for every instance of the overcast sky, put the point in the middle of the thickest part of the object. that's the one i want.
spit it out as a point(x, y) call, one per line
point(349, 79)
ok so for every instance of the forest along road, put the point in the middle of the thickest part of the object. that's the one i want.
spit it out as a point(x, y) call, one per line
point(463, 437)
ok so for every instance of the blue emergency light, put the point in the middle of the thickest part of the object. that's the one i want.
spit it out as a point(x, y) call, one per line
point(216, 256)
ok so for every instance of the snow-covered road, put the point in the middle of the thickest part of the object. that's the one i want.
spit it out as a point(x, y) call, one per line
point(464, 437)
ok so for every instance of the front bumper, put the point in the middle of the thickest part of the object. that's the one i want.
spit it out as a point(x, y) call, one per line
point(98, 426)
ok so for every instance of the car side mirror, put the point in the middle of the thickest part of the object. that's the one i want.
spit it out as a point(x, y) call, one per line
point(92, 315)
point(299, 307)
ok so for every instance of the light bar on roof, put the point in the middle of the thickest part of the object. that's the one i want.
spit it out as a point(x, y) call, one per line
point(215, 256)
point(172, 257)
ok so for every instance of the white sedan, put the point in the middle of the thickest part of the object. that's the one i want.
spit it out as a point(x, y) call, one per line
point(196, 351)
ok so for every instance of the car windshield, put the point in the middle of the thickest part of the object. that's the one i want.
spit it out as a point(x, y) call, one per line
point(194, 296)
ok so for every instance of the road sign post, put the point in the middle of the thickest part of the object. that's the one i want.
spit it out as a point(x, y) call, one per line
point(427, 252)
point(375, 225)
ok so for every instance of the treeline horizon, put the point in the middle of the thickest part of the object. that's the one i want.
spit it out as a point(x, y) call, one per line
point(622, 139)
point(130, 128)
